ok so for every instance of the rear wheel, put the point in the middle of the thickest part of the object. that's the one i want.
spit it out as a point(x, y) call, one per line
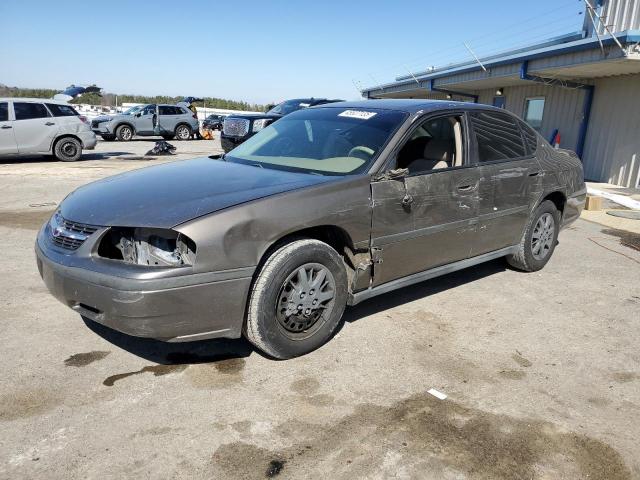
point(124, 133)
point(297, 300)
point(68, 149)
point(539, 239)
point(183, 132)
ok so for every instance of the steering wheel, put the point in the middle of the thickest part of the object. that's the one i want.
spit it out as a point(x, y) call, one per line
point(364, 153)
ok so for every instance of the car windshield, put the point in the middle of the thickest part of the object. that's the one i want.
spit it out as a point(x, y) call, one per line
point(327, 141)
point(285, 108)
point(132, 110)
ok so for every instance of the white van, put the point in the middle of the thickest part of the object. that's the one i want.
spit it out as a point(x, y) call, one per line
point(35, 126)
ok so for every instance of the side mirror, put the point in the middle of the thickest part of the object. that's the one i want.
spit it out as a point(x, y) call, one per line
point(138, 115)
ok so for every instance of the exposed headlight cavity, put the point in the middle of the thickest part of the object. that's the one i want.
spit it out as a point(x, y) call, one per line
point(260, 124)
point(148, 246)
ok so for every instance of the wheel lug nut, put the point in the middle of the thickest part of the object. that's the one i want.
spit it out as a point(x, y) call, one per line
point(315, 302)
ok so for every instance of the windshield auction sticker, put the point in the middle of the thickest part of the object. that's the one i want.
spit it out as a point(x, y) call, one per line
point(362, 115)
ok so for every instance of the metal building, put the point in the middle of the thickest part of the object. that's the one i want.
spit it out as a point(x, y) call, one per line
point(584, 86)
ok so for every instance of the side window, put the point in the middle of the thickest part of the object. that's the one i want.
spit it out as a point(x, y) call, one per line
point(533, 112)
point(497, 136)
point(62, 110)
point(165, 110)
point(435, 144)
point(149, 110)
point(4, 112)
point(530, 137)
point(27, 111)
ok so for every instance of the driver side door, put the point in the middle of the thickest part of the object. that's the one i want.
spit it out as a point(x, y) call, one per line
point(145, 122)
point(426, 218)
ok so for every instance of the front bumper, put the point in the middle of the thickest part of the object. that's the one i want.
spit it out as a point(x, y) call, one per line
point(101, 128)
point(174, 309)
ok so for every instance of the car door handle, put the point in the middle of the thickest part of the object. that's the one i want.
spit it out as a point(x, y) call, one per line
point(6, 127)
point(48, 124)
point(466, 188)
point(535, 174)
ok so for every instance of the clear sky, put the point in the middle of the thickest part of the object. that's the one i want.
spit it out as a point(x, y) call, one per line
point(257, 50)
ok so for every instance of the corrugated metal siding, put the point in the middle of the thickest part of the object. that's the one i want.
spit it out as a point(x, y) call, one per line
point(562, 109)
point(612, 149)
point(619, 15)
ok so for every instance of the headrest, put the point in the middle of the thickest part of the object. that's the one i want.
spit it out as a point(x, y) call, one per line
point(439, 150)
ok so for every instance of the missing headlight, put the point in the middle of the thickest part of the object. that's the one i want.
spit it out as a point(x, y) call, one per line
point(148, 246)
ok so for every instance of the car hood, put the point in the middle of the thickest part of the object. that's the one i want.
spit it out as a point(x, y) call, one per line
point(167, 195)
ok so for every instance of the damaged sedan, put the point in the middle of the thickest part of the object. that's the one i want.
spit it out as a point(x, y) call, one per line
point(327, 207)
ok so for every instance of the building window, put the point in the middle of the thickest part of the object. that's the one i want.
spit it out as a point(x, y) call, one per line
point(533, 112)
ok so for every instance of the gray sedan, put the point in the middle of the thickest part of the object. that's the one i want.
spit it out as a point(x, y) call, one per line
point(325, 208)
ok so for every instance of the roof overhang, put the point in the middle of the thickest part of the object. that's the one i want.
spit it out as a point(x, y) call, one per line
point(579, 60)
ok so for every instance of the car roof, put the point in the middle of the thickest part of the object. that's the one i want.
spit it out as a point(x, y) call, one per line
point(29, 99)
point(409, 105)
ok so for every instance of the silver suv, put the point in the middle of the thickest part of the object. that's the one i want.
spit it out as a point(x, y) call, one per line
point(168, 121)
point(35, 126)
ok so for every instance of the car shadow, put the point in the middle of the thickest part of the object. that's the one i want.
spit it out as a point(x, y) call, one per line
point(202, 351)
point(423, 290)
point(51, 159)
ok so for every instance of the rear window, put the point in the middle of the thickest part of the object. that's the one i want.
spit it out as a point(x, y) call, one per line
point(62, 110)
point(498, 136)
point(4, 112)
point(28, 111)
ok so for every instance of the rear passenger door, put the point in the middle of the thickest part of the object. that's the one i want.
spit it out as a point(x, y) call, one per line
point(168, 118)
point(511, 173)
point(7, 140)
point(34, 127)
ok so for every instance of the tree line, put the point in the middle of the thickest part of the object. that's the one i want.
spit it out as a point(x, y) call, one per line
point(109, 99)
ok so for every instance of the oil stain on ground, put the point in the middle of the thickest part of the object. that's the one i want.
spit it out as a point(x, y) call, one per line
point(22, 403)
point(157, 370)
point(26, 219)
point(221, 374)
point(520, 360)
point(628, 239)
point(84, 359)
point(423, 437)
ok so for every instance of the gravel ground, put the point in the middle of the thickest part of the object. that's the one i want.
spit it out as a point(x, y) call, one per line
point(542, 371)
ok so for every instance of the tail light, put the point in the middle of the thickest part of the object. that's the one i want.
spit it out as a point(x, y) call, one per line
point(83, 119)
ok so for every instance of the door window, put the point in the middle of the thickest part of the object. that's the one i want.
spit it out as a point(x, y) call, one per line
point(27, 111)
point(166, 110)
point(497, 136)
point(4, 112)
point(149, 110)
point(434, 145)
point(530, 137)
point(533, 112)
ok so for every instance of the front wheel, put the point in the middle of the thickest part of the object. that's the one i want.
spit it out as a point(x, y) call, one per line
point(124, 133)
point(297, 300)
point(68, 149)
point(539, 239)
point(183, 132)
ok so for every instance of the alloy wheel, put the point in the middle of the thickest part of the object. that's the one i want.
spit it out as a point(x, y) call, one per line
point(543, 236)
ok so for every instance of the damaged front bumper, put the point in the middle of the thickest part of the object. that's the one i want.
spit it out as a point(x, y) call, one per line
point(177, 308)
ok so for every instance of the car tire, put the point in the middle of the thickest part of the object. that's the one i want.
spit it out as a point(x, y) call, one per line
point(539, 239)
point(108, 138)
point(168, 137)
point(183, 132)
point(270, 325)
point(67, 149)
point(124, 133)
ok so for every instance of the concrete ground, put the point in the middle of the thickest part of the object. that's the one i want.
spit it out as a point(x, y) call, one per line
point(542, 371)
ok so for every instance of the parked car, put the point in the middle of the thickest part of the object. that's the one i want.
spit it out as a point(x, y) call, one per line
point(35, 126)
point(348, 201)
point(239, 127)
point(214, 122)
point(168, 121)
